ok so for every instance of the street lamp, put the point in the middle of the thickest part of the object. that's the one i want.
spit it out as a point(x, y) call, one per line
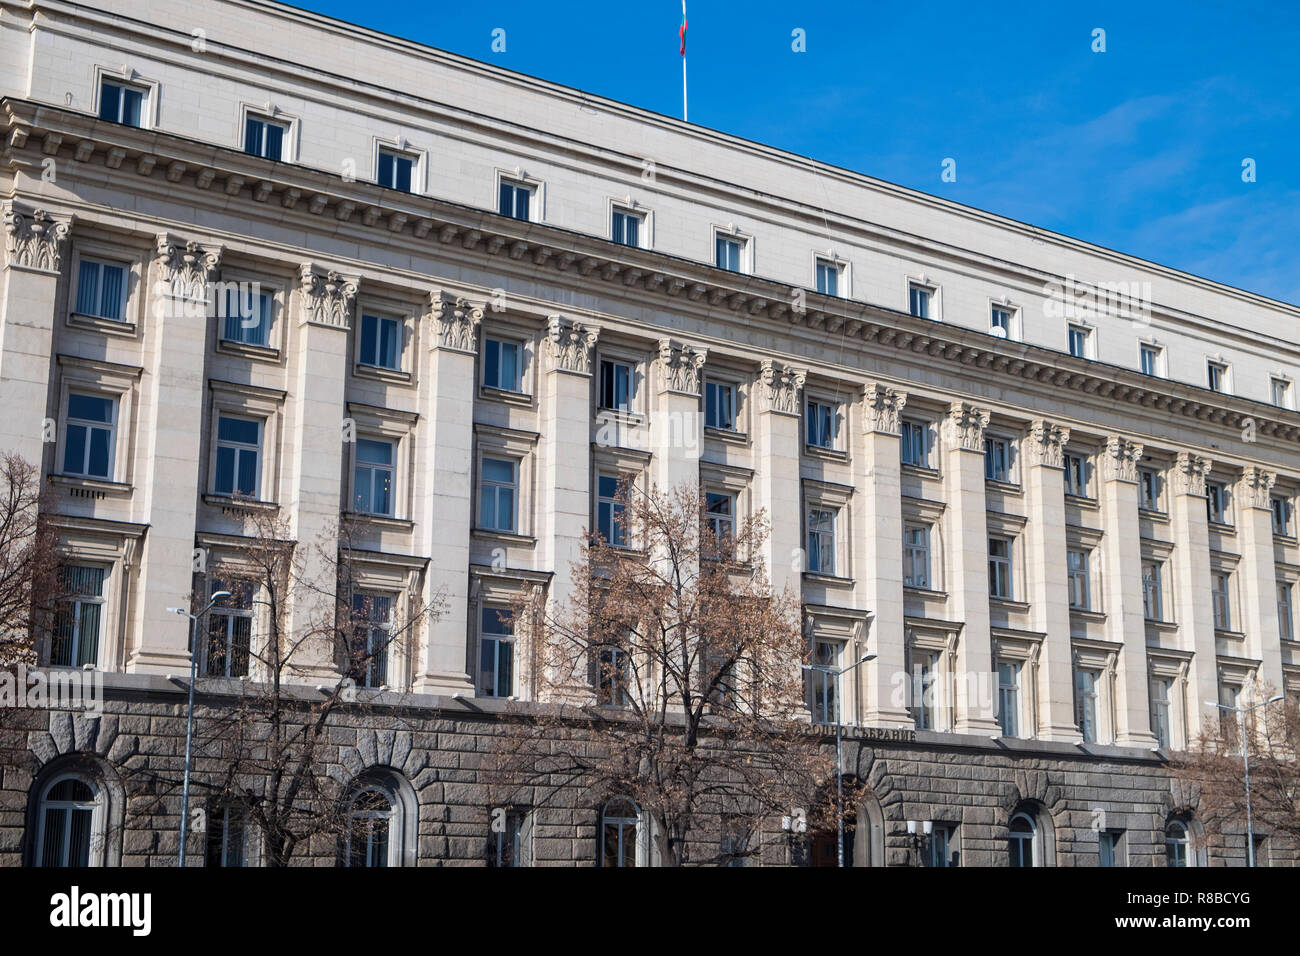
point(837, 673)
point(189, 718)
point(1245, 760)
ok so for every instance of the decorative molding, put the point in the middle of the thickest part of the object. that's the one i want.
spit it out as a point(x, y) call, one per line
point(1255, 487)
point(569, 344)
point(680, 366)
point(1045, 444)
point(34, 240)
point(184, 269)
point(1120, 459)
point(884, 407)
point(457, 320)
point(1190, 472)
point(964, 426)
point(782, 387)
point(327, 298)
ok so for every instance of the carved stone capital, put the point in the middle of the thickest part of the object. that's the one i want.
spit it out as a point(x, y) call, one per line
point(1190, 472)
point(570, 344)
point(327, 297)
point(185, 268)
point(456, 321)
point(1119, 462)
point(964, 426)
point(1045, 444)
point(883, 407)
point(781, 387)
point(679, 365)
point(34, 240)
point(1255, 488)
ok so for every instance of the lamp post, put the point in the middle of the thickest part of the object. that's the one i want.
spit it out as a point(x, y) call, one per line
point(189, 717)
point(1245, 760)
point(837, 673)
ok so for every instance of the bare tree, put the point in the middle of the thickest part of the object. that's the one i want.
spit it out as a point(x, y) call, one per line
point(29, 583)
point(1212, 770)
point(681, 669)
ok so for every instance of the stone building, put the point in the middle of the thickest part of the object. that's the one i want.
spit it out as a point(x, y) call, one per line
point(259, 260)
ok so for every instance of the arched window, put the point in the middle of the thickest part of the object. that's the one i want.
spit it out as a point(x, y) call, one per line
point(1023, 841)
point(70, 826)
point(620, 834)
point(370, 829)
point(1177, 845)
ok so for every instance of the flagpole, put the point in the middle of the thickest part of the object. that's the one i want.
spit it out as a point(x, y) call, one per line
point(684, 114)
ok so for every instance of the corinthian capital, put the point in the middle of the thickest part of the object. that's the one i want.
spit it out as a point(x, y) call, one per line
point(1255, 487)
point(34, 240)
point(1120, 459)
point(327, 297)
point(964, 426)
point(883, 408)
point(456, 320)
point(185, 268)
point(680, 365)
point(570, 344)
point(1045, 443)
point(1190, 472)
point(781, 387)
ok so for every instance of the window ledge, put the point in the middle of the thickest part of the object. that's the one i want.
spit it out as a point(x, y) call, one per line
point(99, 324)
point(506, 395)
point(381, 521)
point(925, 592)
point(727, 435)
point(258, 353)
point(1009, 604)
point(1083, 501)
point(96, 488)
point(924, 471)
point(1229, 635)
point(504, 537)
point(834, 580)
point(829, 454)
point(233, 504)
point(1284, 538)
point(1222, 527)
point(1153, 513)
point(1160, 625)
point(618, 415)
point(390, 375)
point(1084, 614)
point(1006, 487)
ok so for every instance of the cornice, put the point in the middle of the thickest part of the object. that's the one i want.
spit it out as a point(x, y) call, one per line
point(306, 196)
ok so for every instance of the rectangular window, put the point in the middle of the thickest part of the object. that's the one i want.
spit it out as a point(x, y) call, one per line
point(1216, 502)
point(720, 405)
point(247, 313)
point(1009, 698)
point(239, 456)
point(119, 103)
point(503, 364)
point(1085, 704)
point(1000, 322)
point(496, 653)
point(729, 253)
point(1078, 471)
point(512, 838)
point(915, 444)
point(943, 849)
point(738, 838)
point(1285, 619)
point(821, 540)
point(1152, 597)
point(395, 170)
point(265, 138)
point(828, 277)
point(101, 289)
point(89, 436)
point(78, 616)
point(823, 425)
point(1080, 589)
point(918, 301)
point(615, 677)
point(925, 674)
point(515, 200)
point(1149, 359)
point(227, 837)
point(609, 512)
point(1000, 568)
point(1080, 341)
point(371, 635)
point(626, 227)
point(1221, 582)
point(1151, 488)
point(1111, 849)
point(376, 467)
point(916, 556)
point(1281, 507)
point(1229, 701)
point(1216, 376)
point(1280, 389)
point(997, 459)
point(499, 495)
point(824, 680)
point(617, 383)
point(230, 631)
point(720, 514)
point(1161, 688)
point(381, 342)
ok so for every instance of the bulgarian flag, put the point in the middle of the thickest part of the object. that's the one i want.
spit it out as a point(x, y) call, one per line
point(682, 30)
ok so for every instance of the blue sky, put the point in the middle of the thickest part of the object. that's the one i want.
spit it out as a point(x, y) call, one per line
point(1139, 148)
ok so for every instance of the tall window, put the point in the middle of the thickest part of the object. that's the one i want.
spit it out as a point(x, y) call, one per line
point(373, 475)
point(247, 313)
point(1151, 486)
point(1216, 376)
point(239, 454)
point(997, 459)
point(515, 200)
point(511, 843)
point(502, 364)
point(370, 825)
point(828, 276)
point(720, 405)
point(617, 382)
point(498, 494)
point(825, 687)
point(1285, 618)
point(1000, 568)
point(943, 851)
point(1077, 475)
point(1220, 591)
point(90, 436)
point(1160, 690)
point(496, 650)
point(1152, 597)
point(1000, 321)
point(1176, 844)
point(1079, 338)
point(609, 512)
point(1281, 507)
point(925, 673)
point(68, 822)
point(1280, 390)
point(1149, 359)
point(823, 424)
point(821, 540)
point(1022, 841)
point(1009, 697)
point(372, 633)
point(626, 227)
point(230, 631)
point(395, 170)
point(1085, 704)
point(1229, 701)
point(1080, 590)
point(77, 619)
point(227, 838)
point(615, 677)
point(915, 444)
point(381, 342)
point(101, 289)
point(916, 556)
point(620, 824)
point(119, 103)
point(729, 253)
point(264, 138)
point(918, 301)
point(1110, 848)
point(720, 514)
point(1216, 502)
